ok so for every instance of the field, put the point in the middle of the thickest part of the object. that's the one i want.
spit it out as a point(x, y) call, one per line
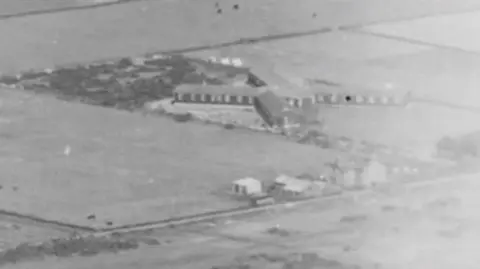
point(392, 57)
point(397, 128)
point(65, 161)
point(22, 8)
point(13, 232)
point(143, 169)
point(140, 27)
point(393, 228)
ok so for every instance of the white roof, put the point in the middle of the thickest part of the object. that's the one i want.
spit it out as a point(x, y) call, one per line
point(293, 184)
point(298, 186)
point(248, 181)
point(283, 179)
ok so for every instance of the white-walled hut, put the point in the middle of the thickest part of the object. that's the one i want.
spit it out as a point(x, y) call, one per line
point(292, 185)
point(375, 172)
point(358, 173)
point(297, 187)
point(366, 173)
point(247, 186)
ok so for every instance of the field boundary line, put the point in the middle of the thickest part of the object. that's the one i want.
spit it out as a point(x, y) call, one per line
point(351, 25)
point(66, 9)
point(412, 41)
point(354, 27)
point(461, 11)
point(433, 102)
point(38, 221)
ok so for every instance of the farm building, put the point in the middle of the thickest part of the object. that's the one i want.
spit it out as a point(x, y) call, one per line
point(356, 174)
point(297, 187)
point(294, 186)
point(310, 110)
point(218, 69)
point(284, 180)
point(269, 75)
point(227, 73)
point(222, 95)
point(351, 177)
point(275, 111)
point(402, 166)
point(269, 106)
point(294, 101)
point(247, 186)
point(374, 172)
point(346, 99)
point(367, 174)
point(341, 95)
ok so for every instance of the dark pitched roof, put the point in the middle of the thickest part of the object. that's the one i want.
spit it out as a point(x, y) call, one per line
point(274, 109)
point(271, 102)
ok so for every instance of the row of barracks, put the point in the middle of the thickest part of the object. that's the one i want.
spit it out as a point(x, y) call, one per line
point(244, 96)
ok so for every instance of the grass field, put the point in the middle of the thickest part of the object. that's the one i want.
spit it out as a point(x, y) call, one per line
point(416, 128)
point(132, 168)
point(414, 228)
point(13, 233)
point(449, 64)
point(73, 160)
point(139, 27)
point(363, 59)
point(12, 8)
point(420, 228)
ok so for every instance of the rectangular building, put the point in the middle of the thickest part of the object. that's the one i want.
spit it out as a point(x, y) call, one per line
point(209, 94)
